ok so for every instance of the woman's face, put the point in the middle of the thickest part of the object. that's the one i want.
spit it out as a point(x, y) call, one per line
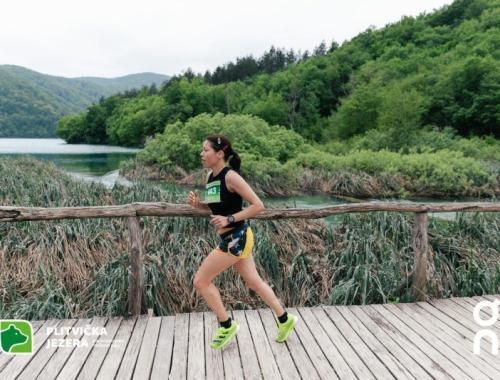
point(209, 157)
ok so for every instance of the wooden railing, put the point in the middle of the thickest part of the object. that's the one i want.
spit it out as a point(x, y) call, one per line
point(134, 211)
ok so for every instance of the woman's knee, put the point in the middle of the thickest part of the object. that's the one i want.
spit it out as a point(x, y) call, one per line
point(255, 284)
point(199, 282)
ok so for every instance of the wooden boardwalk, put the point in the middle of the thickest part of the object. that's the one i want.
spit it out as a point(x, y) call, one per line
point(423, 340)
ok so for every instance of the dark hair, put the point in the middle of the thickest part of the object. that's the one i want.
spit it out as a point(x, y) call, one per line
point(220, 142)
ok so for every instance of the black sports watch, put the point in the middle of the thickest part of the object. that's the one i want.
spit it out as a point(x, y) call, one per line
point(230, 219)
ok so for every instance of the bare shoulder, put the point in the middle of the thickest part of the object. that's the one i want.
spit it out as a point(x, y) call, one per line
point(233, 175)
point(233, 179)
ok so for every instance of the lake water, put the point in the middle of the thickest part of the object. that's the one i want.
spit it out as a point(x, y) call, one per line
point(84, 161)
point(101, 162)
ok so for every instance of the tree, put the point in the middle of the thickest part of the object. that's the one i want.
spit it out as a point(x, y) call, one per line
point(320, 49)
point(71, 128)
point(400, 115)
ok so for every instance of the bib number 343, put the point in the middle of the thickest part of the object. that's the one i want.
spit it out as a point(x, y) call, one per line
point(212, 192)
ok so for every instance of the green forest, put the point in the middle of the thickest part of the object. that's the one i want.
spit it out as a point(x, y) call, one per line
point(31, 103)
point(418, 100)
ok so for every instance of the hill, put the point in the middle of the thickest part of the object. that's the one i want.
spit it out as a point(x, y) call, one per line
point(436, 70)
point(31, 103)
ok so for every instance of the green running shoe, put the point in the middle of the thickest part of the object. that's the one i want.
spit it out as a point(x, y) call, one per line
point(284, 329)
point(223, 336)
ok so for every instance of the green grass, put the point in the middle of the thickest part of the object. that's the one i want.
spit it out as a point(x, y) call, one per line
point(79, 268)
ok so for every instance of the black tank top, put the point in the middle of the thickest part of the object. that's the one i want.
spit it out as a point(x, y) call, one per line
point(220, 200)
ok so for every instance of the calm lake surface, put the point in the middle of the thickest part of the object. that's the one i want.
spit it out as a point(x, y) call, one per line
point(101, 162)
point(84, 161)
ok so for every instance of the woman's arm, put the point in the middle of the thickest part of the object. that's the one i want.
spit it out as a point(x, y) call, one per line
point(236, 183)
point(203, 206)
point(194, 201)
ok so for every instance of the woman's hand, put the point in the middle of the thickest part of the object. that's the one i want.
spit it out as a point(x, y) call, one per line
point(194, 199)
point(219, 221)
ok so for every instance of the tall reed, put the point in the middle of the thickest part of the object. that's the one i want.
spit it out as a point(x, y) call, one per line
point(79, 268)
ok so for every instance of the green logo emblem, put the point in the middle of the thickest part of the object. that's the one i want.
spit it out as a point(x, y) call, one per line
point(212, 192)
point(16, 336)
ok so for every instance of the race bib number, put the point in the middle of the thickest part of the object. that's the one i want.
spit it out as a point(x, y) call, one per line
point(212, 192)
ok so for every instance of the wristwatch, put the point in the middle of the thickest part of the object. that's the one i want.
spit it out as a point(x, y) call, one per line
point(230, 219)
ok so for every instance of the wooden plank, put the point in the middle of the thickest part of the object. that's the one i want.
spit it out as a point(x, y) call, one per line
point(180, 352)
point(213, 358)
point(232, 360)
point(411, 346)
point(57, 361)
point(455, 329)
point(371, 361)
point(77, 359)
point(164, 349)
point(491, 297)
point(475, 299)
point(459, 313)
point(318, 358)
point(38, 362)
point(466, 362)
point(487, 310)
point(429, 349)
point(132, 352)
point(19, 362)
point(338, 363)
point(6, 358)
point(196, 349)
point(115, 354)
point(459, 332)
point(461, 316)
point(283, 359)
point(350, 356)
point(265, 355)
point(100, 349)
point(384, 356)
point(148, 347)
point(459, 345)
point(454, 311)
point(467, 307)
point(251, 369)
point(410, 343)
point(407, 354)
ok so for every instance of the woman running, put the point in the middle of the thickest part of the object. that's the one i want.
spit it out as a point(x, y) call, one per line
point(224, 194)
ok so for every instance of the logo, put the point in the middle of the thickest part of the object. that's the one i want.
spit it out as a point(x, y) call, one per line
point(494, 306)
point(16, 336)
point(76, 336)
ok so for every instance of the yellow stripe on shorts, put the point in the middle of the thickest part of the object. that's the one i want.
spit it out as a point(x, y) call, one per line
point(248, 243)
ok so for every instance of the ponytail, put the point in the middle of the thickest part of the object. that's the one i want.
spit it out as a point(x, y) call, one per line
point(220, 142)
point(234, 160)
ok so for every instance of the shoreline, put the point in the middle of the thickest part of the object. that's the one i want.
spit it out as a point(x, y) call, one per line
point(319, 182)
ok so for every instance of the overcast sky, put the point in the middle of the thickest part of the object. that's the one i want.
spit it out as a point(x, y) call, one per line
point(110, 38)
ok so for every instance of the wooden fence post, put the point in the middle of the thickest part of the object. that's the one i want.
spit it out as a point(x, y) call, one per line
point(135, 281)
point(420, 245)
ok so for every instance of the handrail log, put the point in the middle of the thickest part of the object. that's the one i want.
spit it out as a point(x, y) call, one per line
point(18, 214)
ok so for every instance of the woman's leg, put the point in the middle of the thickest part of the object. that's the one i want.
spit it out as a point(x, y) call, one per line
point(212, 265)
point(247, 270)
